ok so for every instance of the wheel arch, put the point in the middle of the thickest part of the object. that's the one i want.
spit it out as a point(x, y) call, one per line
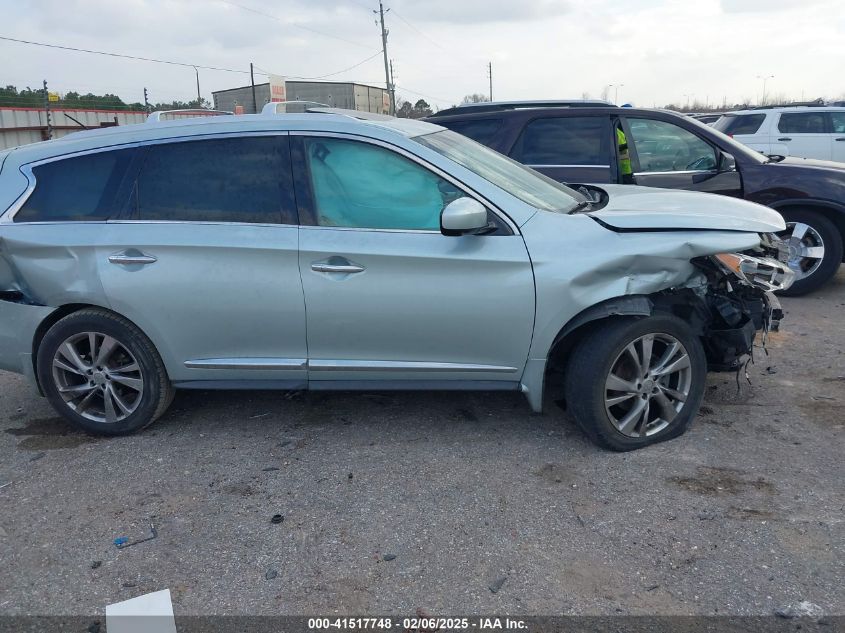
point(54, 317)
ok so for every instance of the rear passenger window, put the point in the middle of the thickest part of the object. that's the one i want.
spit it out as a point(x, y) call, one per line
point(740, 123)
point(569, 141)
point(76, 189)
point(483, 131)
point(803, 123)
point(223, 180)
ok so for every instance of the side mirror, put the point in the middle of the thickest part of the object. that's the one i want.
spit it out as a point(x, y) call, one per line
point(726, 162)
point(461, 216)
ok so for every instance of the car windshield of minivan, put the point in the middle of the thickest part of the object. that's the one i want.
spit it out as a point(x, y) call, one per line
point(522, 182)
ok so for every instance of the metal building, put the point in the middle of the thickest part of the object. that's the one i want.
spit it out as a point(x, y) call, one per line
point(332, 93)
point(19, 126)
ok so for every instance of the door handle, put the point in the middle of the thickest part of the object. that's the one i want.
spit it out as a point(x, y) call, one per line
point(337, 268)
point(128, 259)
point(841, 138)
point(784, 138)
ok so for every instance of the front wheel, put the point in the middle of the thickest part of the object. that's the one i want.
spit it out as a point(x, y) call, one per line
point(815, 250)
point(102, 373)
point(635, 382)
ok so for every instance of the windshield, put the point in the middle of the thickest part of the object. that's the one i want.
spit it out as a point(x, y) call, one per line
point(521, 182)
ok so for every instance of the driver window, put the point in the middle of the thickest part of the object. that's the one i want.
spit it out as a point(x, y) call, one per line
point(665, 147)
point(366, 186)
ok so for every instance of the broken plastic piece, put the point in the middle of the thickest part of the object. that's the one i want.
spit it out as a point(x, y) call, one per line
point(122, 542)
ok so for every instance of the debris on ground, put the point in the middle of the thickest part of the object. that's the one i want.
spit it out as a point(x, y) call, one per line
point(497, 584)
point(389, 557)
point(277, 518)
point(803, 609)
point(122, 542)
point(270, 574)
point(96, 564)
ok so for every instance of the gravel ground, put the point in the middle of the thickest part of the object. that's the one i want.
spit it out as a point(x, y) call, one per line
point(454, 503)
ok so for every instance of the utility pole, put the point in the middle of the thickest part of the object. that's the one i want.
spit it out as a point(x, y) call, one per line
point(393, 84)
point(146, 101)
point(199, 96)
point(47, 109)
point(384, 32)
point(490, 76)
point(252, 82)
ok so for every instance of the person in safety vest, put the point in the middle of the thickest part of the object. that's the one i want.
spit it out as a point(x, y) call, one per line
point(624, 157)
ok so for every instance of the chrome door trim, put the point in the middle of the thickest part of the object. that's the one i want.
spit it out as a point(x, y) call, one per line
point(247, 363)
point(422, 163)
point(26, 169)
point(403, 366)
point(680, 171)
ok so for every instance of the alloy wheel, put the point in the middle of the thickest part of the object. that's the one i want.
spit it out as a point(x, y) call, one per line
point(98, 377)
point(806, 248)
point(648, 385)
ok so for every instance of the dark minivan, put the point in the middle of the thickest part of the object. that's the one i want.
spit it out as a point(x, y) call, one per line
point(577, 142)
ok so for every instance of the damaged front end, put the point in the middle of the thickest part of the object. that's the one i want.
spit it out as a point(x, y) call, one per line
point(735, 300)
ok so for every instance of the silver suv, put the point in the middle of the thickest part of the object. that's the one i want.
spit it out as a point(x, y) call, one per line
point(324, 250)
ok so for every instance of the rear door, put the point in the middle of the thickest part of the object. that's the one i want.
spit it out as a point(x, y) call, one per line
point(805, 134)
point(204, 259)
point(667, 155)
point(570, 149)
point(749, 129)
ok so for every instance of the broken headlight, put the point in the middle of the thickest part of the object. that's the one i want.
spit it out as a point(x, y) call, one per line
point(765, 273)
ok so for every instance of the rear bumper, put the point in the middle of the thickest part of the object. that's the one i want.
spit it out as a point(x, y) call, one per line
point(18, 324)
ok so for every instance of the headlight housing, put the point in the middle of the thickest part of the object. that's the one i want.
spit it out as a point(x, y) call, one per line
point(765, 273)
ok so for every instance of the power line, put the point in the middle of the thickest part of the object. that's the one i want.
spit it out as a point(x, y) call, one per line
point(135, 57)
point(293, 24)
point(363, 61)
point(419, 94)
point(411, 26)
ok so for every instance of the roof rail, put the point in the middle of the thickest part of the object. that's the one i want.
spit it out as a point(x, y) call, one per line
point(818, 103)
point(496, 106)
point(156, 117)
point(273, 106)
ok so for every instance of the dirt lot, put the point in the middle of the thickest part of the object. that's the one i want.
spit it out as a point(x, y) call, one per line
point(742, 515)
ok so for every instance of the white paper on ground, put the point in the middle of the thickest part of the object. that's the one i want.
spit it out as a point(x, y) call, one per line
point(150, 613)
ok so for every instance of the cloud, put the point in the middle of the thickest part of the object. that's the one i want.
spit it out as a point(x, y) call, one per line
point(480, 11)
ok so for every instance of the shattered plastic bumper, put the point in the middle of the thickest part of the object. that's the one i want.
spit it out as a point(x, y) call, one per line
point(18, 324)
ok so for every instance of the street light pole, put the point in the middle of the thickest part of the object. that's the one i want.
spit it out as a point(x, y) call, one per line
point(765, 79)
point(199, 97)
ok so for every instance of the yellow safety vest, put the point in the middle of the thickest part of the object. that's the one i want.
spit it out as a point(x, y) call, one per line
point(624, 156)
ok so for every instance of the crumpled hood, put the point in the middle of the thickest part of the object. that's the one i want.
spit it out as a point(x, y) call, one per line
point(633, 208)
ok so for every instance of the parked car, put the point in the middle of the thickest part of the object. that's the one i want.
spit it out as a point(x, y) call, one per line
point(799, 131)
point(341, 250)
point(576, 143)
point(708, 118)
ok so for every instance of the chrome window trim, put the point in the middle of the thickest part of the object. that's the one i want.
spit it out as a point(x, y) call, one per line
point(247, 363)
point(547, 166)
point(422, 163)
point(26, 169)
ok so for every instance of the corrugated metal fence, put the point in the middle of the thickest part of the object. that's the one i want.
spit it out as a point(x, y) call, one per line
point(19, 126)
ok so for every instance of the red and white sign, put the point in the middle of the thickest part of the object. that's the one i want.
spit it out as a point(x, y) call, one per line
point(277, 89)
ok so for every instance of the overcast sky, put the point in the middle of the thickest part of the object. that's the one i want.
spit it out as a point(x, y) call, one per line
point(542, 49)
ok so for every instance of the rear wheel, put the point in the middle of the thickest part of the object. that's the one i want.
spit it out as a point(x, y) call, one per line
point(631, 383)
point(815, 250)
point(102, 373)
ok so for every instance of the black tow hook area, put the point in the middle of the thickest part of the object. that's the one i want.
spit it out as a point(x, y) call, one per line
point(725, 348)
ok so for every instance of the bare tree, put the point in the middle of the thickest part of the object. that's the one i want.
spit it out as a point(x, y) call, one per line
point(605, 92)
point(585, 96)
point(475, 97)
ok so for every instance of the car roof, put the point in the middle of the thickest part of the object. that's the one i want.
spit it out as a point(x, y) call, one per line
point(780, 109)
point(455, 114)
point(317, 120)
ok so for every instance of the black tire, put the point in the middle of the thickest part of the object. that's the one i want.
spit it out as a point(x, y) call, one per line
point(594, 357)
point(150, 401)
point(832, 240)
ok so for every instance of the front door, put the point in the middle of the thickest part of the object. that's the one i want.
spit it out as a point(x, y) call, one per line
point(205, 261)
point(666, 155)
point(390, 300)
